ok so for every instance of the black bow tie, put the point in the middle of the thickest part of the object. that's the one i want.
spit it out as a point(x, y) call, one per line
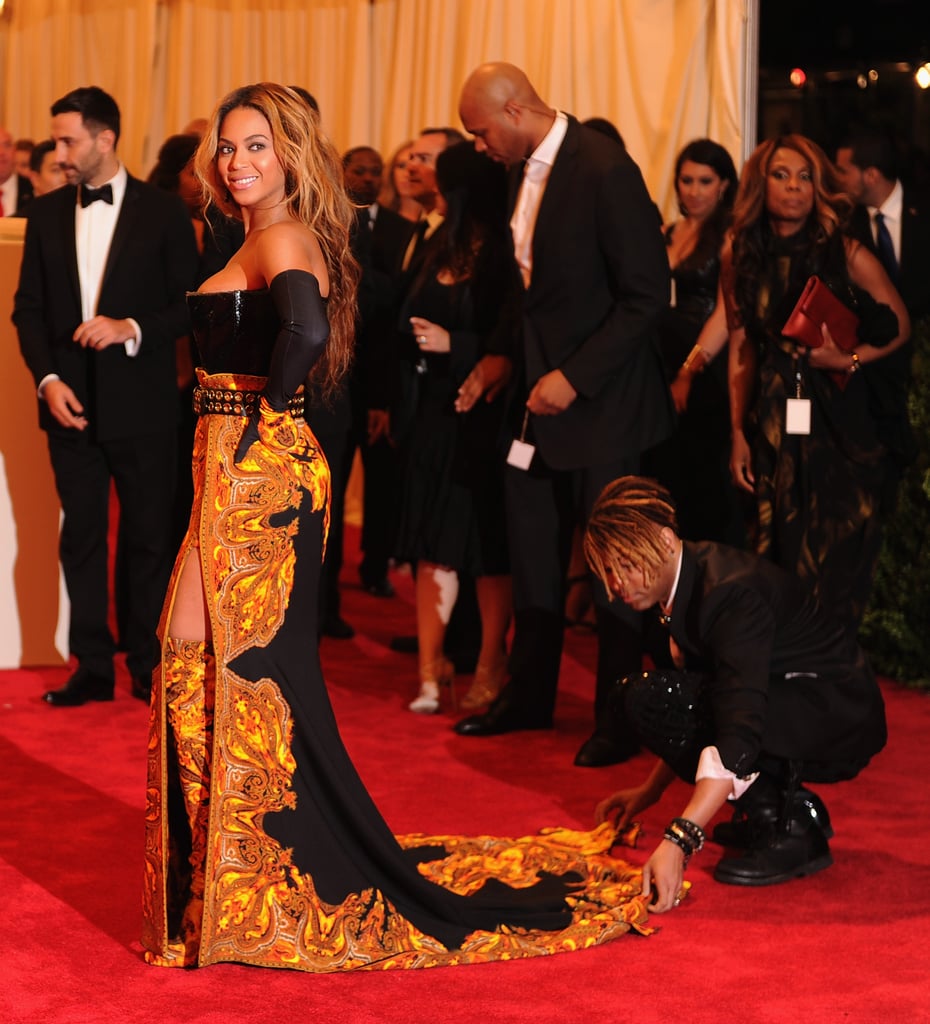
point(91, 195)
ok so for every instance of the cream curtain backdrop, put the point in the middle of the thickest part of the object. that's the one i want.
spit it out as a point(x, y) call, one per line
point(664, 71)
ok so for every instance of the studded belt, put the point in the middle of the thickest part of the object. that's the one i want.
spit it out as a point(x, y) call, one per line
point(227, 402)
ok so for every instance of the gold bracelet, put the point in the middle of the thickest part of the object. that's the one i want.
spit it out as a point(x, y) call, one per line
point(697, 353)
point(855, 366)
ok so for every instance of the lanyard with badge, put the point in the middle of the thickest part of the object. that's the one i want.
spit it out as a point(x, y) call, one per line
point(798, 412)
point(521, 451)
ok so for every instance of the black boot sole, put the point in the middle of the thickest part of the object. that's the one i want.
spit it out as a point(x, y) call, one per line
point(721, 874)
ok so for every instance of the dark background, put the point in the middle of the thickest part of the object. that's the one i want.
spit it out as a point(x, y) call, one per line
point(837, 45)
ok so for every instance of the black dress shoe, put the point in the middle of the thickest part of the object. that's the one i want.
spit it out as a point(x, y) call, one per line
point(336, 627)
point(795, 853)
point(600, 750)
point(378, 587)
point(500, 718)
point(141, 688)
point(738, 831)
point(79, 689)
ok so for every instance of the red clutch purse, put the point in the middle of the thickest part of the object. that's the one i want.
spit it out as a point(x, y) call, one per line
point(816, 306)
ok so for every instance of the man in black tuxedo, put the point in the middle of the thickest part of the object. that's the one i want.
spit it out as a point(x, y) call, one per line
point(591, 396)
point(101, 299)
point(15, 189)
point(382, 240)
point(893, 221)
point(768, 691)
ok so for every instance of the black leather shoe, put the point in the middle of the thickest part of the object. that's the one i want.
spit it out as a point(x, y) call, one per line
point(336, 627)
point(500, 718)
point(600, 750)
point(795, 853)
point(738, 831)
point(378, 587)
point(79, 689)
point(141, 688)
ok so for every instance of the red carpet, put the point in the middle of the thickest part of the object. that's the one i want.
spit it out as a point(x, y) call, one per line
point(847, 945)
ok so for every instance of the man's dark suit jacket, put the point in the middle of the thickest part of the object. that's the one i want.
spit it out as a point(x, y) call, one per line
point(784, 677)
point(379, 297)
point(600, 277)
point(890, 377)
point(914, 276)
point(24, 196)
point(151, 263)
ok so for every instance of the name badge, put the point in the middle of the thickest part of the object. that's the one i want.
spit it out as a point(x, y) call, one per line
point(521, 454)
point(798, 418)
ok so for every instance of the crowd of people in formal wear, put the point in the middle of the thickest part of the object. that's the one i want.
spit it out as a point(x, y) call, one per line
point(533, 369)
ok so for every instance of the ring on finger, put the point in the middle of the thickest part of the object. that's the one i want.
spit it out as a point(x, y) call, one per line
point(421, 339)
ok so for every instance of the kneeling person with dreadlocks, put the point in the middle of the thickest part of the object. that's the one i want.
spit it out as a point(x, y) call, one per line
point(768, 693)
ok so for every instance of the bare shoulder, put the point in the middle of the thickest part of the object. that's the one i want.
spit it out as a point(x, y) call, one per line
point(290, 245)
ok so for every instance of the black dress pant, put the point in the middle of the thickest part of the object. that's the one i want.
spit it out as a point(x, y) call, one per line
point(143, 469)
point(543, 507)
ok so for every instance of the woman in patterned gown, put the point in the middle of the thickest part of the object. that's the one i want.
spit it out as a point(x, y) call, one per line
point(822, 488)
point(262, 845)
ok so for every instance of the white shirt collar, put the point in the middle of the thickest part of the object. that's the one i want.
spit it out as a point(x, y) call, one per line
point(548, 149)
point(893, 206)
point(667, 609)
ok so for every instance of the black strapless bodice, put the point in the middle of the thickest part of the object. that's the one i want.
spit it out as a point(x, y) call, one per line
point(234, 331)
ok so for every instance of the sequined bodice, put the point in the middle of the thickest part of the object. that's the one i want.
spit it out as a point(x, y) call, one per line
point(234, 331)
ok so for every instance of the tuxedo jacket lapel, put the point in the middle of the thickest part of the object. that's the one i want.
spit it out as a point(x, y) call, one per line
point(66, 229)
point(122, 233)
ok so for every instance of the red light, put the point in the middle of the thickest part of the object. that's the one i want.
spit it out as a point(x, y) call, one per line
point(797, 77)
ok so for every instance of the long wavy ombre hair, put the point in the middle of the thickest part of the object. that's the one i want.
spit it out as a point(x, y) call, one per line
point(751, 230)
point(315, 195)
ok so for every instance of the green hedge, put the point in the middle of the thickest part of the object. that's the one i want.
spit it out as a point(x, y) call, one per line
point(896, 629)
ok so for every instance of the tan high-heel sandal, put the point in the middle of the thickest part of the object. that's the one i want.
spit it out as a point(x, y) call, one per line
point(485, 686)
point(433, 676)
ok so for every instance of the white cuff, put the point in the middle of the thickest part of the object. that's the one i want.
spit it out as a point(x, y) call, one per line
point(711, 767)
point(133, 344)
point(45, 380)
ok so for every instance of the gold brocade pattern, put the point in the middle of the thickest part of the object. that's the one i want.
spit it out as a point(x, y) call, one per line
point(265, 912)
point(222, 757)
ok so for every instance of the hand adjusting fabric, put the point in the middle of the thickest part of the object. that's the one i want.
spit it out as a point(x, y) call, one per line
point(299, 344)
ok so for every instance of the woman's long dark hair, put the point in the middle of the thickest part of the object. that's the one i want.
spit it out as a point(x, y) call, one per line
point(752, 232)
point(710, 237)
point(473, 240)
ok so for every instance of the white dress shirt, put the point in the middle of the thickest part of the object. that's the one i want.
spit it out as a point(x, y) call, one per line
point(535, 177)
point(94, 226)
point(9, 195)
point(891, 210)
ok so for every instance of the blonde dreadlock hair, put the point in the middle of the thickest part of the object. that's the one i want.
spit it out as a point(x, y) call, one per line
point(625, 525)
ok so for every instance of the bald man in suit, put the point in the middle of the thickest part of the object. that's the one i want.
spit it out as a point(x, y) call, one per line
point(590, 396)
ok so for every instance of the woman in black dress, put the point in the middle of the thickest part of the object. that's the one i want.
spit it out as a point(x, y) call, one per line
point(458, 310)
point(819, 486)
point(694, 462)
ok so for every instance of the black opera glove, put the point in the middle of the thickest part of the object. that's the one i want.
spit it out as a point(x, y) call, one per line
point(300, 342)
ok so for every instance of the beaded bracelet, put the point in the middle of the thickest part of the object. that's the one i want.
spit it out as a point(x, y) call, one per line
point(681, 842)
point(692, 830)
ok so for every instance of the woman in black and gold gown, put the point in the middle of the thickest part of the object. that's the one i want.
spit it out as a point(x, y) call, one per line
point(821, 491)
point(262, 845)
